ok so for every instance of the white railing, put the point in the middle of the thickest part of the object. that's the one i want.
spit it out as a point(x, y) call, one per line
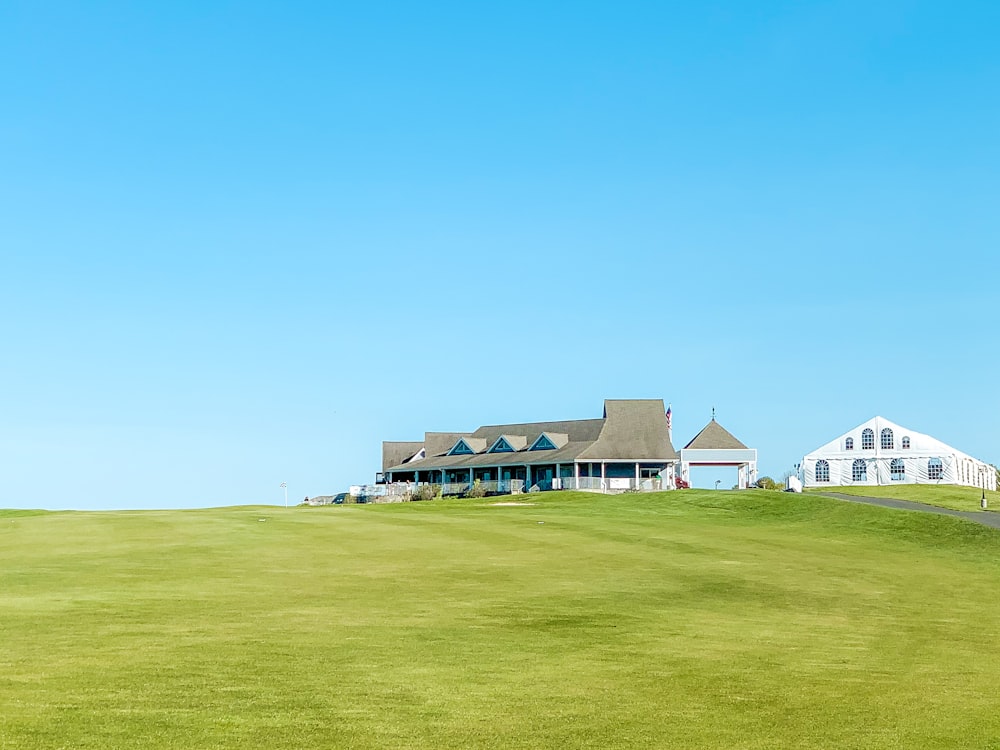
point(607, 484)
point(397, 492)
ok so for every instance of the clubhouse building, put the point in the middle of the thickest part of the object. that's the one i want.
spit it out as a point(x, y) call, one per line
point(628, 448)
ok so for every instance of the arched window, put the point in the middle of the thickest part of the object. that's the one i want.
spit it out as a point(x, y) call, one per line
point(887, 439)
point(822, 471)
point(897, 470)
point(906, 442)
point(868, 439)
point(859, 470)
point(935, 469)
point(849, 444)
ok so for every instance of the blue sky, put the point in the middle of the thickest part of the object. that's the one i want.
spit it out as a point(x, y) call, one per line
point(244, 243)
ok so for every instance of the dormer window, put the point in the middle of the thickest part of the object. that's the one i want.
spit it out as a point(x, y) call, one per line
point(542, 444)
point(549, 441)
point(501, 446)
point(461, 448)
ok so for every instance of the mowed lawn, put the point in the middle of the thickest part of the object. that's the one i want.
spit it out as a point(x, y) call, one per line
point(689, 619)
point(943, 495)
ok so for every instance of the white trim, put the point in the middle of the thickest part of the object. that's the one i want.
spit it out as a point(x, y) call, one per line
point(506, 442)
point(470, 451)
point(539, 438)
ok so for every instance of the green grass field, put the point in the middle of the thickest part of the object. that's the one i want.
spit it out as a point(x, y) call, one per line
point(677, 620)
point(943, 495)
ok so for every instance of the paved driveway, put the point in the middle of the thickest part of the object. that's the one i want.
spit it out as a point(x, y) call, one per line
point(986, 519)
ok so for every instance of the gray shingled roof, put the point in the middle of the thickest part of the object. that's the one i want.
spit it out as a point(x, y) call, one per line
point(576, 430)
point(476, 444)
point(395, 453)
point(437, 443)
point(634, 429)
point(631, 430)
point(517, 442)
point(715, 437)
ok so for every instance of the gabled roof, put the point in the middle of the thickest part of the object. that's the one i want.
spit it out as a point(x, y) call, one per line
point(577, 430)
point(396, 452)
point(439, 443)
point(920, 444)
point(631, 430)
point(634, 429)
point(515, 442)
point(552, 441)
point(713, 437)
point(475, 445)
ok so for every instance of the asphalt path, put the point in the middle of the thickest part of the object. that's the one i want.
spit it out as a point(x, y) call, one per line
point(985, 518)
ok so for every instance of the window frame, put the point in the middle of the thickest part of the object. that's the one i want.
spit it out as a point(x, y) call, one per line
point(935, 469)
point(897, 470)
point(890, 444)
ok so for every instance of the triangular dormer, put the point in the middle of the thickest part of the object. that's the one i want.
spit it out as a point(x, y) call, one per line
point(549, 441)
point(467, 447)
point(508, 444)
point(461, 448)
point(501, 446)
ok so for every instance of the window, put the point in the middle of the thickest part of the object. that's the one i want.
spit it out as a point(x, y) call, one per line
point(543, 444)
point(887, 439)
point(849, 444)
point(501, 446)
point(868, 440)
point(859, 470)
point(897, 470)
point(461, 449)
point(935, 469)
point(906, 442)
point(822, 471)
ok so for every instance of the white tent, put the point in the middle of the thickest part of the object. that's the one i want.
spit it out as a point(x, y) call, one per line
point(881, 452)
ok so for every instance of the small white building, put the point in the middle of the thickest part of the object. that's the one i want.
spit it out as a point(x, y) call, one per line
point(880, 452)
point(717, 446)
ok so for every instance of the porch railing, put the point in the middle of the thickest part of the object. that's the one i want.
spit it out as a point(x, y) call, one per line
point(608, 484)
point(396, 492)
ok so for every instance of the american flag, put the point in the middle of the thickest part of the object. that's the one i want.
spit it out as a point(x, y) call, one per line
point(667, 415)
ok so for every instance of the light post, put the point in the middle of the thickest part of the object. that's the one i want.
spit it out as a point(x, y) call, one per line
point(284, 486)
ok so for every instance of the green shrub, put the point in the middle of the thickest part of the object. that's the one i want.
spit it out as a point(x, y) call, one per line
point(426, 492)
point(478, 489)
point(766, 483)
